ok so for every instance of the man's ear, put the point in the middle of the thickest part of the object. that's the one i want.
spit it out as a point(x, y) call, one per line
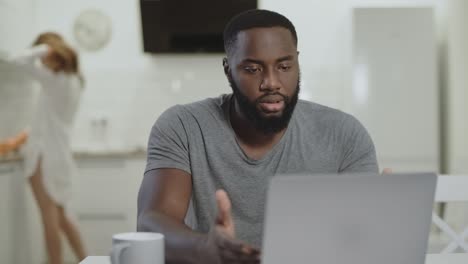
point(226, 66)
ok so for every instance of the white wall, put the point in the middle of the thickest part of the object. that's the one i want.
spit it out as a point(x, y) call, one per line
point(16, 18)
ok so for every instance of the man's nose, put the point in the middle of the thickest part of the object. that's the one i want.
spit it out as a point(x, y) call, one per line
point(270, 81)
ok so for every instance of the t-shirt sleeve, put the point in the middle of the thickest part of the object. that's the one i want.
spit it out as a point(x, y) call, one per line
point(358, 151)
point(168, 142)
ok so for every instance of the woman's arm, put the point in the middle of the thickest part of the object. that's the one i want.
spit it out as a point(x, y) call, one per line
point(29, 60)
point(30, 55)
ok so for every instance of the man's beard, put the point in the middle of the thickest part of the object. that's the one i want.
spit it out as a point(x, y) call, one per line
point(267, 125)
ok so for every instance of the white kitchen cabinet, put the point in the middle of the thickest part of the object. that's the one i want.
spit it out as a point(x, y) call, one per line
point(6, 220)
point(457, 87)
point(104, 203)
point(105, 200)
point(395, 85)
point(14, 231)
point(456, 96)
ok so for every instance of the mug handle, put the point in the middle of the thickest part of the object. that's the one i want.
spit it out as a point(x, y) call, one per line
point(116, 252)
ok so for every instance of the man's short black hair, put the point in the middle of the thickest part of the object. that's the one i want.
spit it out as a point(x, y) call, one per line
point(255, 18)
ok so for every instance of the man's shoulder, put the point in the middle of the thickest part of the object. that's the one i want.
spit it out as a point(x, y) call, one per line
point(326, 119)
point(198, 110)
point(311, 111)
point(207, 104)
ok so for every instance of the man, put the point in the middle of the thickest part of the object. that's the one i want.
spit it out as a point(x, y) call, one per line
point(202, 153)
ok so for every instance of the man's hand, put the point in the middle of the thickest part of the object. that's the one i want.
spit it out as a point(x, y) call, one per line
point(224, 220)
point(222, 236)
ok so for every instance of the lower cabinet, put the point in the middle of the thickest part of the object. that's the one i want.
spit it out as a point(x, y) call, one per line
point(104, 203)
point(6, 210)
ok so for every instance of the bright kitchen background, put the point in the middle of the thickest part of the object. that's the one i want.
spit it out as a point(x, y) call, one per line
point(414, 127)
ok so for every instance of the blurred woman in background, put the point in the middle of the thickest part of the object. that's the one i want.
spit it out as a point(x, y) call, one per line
point(48, 159)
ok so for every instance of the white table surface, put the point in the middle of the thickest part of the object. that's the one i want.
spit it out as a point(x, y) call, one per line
point(461, 258)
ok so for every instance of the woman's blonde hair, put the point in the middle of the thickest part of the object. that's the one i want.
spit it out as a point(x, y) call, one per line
point(63, 54)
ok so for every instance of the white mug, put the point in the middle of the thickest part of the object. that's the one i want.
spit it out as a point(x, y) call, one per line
point(137, 247)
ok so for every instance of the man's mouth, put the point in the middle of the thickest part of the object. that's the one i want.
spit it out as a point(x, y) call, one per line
point(272, 103)
point(270, 106)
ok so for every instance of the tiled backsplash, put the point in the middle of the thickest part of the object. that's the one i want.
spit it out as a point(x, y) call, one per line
point(120, 106)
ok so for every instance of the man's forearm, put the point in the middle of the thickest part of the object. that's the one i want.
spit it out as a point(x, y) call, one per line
point(182, 245)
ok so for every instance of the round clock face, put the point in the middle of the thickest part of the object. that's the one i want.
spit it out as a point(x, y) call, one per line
point(92, 29)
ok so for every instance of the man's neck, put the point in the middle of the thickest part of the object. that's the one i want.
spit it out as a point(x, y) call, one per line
point(247, 134)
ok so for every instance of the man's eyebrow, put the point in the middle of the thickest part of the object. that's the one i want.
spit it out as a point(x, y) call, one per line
point(252, 61)
point(284, 58)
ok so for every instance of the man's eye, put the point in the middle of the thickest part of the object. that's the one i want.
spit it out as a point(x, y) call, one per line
point(284, 67)
point(252, 69)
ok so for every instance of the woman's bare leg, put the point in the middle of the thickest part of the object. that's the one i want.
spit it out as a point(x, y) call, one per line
point(50, 217)
point(71, 232)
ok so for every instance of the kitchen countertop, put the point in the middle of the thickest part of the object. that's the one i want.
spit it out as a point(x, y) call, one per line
point(138, 153)
point(82, 154)
point(10, 157)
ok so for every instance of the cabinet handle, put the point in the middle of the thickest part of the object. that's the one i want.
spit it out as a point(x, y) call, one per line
point(101, 163)
point(102, 216)
point(6, 170)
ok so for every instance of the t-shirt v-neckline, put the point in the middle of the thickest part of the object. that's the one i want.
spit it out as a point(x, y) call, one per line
point(238, 147)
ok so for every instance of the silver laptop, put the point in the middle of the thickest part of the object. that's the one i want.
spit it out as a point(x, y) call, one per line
point(348, 219)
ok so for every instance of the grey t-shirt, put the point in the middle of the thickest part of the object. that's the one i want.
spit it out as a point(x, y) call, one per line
point(198, 138)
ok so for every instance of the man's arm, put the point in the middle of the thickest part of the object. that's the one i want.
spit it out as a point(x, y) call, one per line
point(163, 201)
point(162, 204)
point(358, 151)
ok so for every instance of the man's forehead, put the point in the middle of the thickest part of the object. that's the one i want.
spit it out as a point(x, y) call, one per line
point(264, 35)
point(265, 42)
